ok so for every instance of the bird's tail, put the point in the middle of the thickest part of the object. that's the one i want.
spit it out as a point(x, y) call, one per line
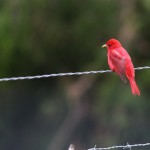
point(134, 87)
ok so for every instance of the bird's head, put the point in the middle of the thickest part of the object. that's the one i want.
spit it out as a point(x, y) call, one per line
point(112, 43)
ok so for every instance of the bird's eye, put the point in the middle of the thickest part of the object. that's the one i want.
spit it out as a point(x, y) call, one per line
point(109, 44)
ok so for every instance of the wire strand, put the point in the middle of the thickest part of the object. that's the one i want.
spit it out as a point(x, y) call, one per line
point(62, 74)
point(128, 146)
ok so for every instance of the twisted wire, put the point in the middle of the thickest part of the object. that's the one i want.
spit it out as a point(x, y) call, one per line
point(62, 74)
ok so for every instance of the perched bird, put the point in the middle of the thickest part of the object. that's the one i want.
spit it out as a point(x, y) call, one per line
point(120, 62)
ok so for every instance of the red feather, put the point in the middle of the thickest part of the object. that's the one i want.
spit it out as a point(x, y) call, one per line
point(120, 62)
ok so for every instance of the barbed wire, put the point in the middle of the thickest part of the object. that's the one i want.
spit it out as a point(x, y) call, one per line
point(128, 146)
point(62, 74)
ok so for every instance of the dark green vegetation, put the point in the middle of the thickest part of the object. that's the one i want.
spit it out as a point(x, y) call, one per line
point(52, 36)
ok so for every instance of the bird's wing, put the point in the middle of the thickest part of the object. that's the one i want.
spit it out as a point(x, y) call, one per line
point(116, 54)
point(118, 62)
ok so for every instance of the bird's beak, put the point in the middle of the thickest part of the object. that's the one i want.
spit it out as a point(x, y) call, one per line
point(104, 46)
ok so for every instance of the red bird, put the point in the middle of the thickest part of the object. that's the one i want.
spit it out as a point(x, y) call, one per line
point(120, 62)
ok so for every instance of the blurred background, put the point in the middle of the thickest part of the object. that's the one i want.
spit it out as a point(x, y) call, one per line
point(52, 36)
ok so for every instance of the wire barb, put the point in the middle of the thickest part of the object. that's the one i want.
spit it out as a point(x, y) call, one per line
point(63, 74)
point(128, 146)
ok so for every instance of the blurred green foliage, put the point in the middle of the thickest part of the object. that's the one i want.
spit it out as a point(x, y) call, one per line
point(42, 37)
